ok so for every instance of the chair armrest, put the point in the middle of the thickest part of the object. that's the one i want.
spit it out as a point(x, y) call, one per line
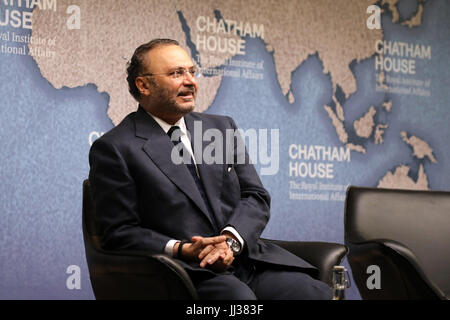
point(322, 255)
point(411, 258)
point(138, 275)
point(179, 271)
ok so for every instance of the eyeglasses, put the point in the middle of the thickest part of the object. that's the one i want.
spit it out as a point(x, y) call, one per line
point(176, 74)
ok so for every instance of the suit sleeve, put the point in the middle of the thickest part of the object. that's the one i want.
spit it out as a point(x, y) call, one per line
point(115, 197)
point(252, 212)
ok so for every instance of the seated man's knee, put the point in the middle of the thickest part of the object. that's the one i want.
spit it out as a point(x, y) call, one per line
point(291, 285)
point(312, 289)
point(224, 287)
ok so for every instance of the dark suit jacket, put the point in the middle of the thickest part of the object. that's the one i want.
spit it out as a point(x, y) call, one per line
point(144, 200)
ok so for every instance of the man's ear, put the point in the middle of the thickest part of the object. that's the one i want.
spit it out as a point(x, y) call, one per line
point(143, 86)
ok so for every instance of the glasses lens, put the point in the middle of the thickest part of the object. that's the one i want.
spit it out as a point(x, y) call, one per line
point(193, 71)
point(183, 72)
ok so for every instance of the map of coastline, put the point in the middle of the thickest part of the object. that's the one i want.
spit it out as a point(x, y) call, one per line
point(292, 31)
point(400, 178)
point(292, 37)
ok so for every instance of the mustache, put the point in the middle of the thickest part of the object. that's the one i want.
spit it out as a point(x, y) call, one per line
point(186, 91)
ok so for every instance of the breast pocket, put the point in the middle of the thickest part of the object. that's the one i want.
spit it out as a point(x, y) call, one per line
point(231, 191)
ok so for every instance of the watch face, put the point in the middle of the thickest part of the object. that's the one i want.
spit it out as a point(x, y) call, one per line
point(234, 245)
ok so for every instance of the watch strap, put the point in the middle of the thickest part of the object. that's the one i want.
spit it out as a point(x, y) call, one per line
point(180, 247)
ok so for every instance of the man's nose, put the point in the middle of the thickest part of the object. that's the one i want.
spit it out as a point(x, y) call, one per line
point(189, 79)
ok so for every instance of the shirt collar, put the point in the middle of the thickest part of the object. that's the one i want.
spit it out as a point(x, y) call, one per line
point(166, 126)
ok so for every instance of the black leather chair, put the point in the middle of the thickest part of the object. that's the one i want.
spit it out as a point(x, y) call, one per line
point(140, 275)
point(406, 234)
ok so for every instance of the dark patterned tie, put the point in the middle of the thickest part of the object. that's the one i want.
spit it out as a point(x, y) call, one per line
point(175, 136)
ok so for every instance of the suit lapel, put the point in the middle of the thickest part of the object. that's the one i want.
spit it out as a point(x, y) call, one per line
point(159, 147)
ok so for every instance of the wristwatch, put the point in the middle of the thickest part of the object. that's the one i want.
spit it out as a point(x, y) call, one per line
point(234, 245)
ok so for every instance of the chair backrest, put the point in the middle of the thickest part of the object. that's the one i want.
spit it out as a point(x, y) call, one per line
point(129, 274)
point(89, 226)
point(418, 220)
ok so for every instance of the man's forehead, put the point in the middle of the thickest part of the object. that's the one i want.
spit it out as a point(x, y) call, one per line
point(168, 57)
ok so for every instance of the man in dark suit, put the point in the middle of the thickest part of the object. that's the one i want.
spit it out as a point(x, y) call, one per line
point(207, 215)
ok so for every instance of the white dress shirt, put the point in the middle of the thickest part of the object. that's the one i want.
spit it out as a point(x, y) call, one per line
point(187, 144)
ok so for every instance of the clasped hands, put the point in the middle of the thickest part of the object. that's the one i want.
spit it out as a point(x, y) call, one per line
point(212, 252)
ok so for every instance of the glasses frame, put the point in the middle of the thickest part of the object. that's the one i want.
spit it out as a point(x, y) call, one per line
point(176, 74)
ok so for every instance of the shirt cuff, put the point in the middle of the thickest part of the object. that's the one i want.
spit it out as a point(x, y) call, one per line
point(169, 247)
point(236, 234)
